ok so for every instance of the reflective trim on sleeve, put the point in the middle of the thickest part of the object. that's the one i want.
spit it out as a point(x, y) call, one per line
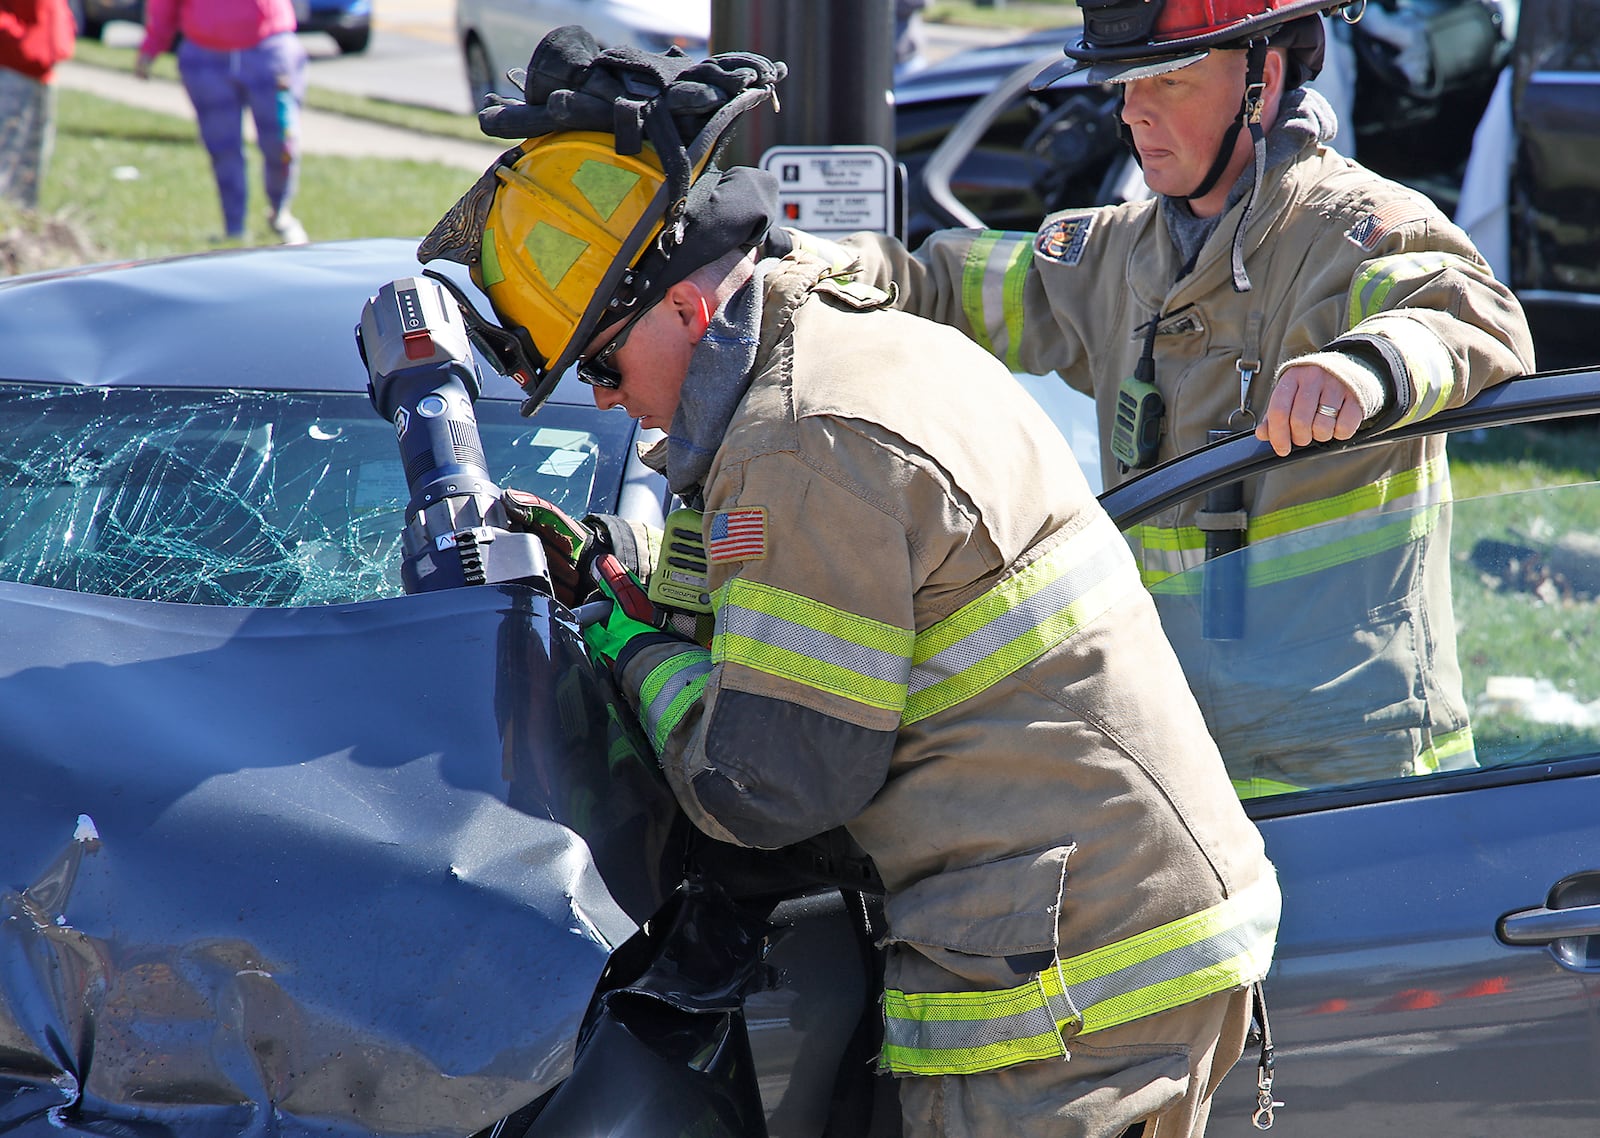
point(802, 640)
point(960, 1033)
point(917, 675)
point(1414, 495)
point(1453, 750)
point(670, 689)
point(1430, 372)
point(1262, 787)
point(992, 280)
point(1019, 620)
point(1373, 284)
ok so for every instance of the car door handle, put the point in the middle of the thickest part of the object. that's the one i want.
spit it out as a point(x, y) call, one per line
point(1541, 926)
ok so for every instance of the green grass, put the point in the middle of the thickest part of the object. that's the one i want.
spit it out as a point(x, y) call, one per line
point(425, 120)
point(138, 184)
point(1525, 486)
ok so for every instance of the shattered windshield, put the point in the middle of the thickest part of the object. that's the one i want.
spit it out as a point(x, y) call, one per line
point(248, 498)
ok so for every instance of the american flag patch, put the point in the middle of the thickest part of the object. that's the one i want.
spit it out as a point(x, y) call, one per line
point(1373, 226)
point(737, 535)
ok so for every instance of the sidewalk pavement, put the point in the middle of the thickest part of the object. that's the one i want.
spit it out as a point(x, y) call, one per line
point(321, 132)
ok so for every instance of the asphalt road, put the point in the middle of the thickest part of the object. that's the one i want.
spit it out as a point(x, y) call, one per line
point(412, 59)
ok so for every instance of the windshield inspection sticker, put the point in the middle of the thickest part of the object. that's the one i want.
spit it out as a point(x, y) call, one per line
point(563, 463)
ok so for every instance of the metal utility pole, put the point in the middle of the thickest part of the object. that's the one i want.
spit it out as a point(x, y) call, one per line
point(841, 71)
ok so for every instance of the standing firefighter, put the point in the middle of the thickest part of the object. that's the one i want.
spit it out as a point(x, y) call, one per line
point(924, 628)
point(1270, 285)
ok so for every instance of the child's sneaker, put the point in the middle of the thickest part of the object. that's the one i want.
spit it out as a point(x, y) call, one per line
point(287, 227)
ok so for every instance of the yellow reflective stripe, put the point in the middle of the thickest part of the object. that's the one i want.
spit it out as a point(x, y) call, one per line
point(804, 641)
point(1165, 551)
point(1018, 265)
point(974, 272)
point(956, 1033)
point(1343, 549)
point(993, 276)
point(1381, 494)
point(1445, 752)
point(1018, 620)
point(1429, 370)
point(933, 1033)
point(1262, 787)
point(1340, 549)
point(670, 690)
point(1026, 614)
point(1373, 284)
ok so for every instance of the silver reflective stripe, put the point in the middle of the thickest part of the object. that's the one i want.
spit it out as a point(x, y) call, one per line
point(1027, 615)
point(814, 643)
point(1219, 949)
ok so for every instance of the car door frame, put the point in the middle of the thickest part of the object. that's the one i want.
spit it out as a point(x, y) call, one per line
point(1403, 993)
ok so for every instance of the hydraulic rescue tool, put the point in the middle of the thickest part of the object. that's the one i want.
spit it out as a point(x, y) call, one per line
point(421, 376)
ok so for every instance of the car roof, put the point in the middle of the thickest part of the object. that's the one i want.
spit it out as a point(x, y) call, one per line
point(275, 318)
point(974, 72)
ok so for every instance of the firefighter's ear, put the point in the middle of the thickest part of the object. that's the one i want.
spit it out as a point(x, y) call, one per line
point(691, 307)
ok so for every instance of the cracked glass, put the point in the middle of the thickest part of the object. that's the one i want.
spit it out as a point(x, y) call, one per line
point(248, 498)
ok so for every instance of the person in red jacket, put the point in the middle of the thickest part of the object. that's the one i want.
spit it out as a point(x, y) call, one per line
point(237, 54)
point(35, 35)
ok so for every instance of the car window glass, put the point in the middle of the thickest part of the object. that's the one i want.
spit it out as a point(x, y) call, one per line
point(248, 498)
point(1415, 642)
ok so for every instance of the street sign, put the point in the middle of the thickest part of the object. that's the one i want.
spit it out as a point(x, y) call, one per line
point(835, 190)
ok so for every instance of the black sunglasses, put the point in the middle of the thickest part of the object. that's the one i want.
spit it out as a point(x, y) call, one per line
point(596, 370)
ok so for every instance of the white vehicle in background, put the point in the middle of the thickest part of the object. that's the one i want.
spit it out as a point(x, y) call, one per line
point(497, 35)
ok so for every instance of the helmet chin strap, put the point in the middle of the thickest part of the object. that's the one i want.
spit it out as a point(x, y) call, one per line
point(1250, 113)
point(1251, 108)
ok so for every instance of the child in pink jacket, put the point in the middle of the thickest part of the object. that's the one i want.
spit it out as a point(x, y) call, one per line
point(236, 54)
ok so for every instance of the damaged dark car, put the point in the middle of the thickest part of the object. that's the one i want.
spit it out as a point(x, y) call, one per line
point(288, 851)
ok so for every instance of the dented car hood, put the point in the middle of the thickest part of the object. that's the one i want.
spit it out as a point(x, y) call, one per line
point(351, 869)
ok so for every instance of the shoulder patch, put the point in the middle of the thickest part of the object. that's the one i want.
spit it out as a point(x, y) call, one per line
point(1372, 227)
point(737, 535)
point(1064, 239)
point(855, 293)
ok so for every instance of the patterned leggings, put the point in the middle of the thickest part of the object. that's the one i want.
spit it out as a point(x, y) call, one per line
point(27, 131)
point(270, 79)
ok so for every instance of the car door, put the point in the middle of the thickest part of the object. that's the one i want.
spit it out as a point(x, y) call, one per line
point(1438, 964)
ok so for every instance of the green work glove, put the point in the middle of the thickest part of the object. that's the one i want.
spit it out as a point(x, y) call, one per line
point(620, 634)
point(563, 538)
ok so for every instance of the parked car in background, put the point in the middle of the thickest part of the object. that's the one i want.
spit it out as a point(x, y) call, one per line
point(498, 35)
point(94, 15)
point(349, 22)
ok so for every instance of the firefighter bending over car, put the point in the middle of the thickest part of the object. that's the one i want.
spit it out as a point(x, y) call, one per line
point(1269, 285)
point(922, 626)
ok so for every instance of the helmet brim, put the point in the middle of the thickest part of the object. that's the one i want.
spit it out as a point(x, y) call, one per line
point(1113, 71)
